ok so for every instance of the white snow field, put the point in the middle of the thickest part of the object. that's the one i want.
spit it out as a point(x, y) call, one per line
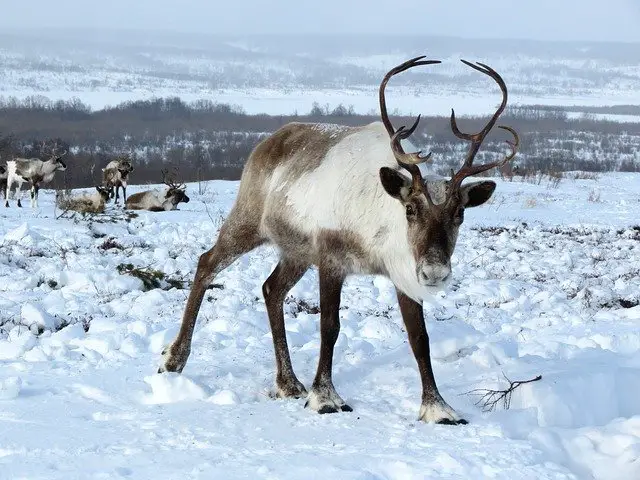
point(546, 282)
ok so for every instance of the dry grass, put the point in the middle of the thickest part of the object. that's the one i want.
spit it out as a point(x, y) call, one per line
point(585, 176)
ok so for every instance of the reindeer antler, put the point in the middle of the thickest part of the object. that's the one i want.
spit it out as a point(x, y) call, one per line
point(476, 139)
point(408, 161)
point(54, 151)
point(169, 180)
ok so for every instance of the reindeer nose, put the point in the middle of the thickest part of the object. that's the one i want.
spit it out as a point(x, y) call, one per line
point(433, 274)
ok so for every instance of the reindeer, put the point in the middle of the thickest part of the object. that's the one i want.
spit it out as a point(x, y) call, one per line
point(87, 203)
point(155, 201)
point(3, 180)
point(115, 175)
point(34, 171)
point(340, 198)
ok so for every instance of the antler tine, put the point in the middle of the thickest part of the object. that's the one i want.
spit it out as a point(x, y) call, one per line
point(165, 177)
point(403, 158)
point(514, 145)
point(469, 170)
point(410, 161)
point(476, 139)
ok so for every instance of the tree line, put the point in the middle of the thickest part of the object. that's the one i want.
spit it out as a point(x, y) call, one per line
point(205, 140)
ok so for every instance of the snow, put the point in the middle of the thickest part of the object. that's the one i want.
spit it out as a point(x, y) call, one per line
point(546, 282)
point(363, 99)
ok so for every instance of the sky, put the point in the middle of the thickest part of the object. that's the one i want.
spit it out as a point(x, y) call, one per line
point(596, 20)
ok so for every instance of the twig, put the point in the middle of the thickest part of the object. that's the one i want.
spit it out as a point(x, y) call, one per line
point(490, 398)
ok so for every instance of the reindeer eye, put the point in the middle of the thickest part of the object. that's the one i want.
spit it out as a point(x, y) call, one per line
point(411, 211)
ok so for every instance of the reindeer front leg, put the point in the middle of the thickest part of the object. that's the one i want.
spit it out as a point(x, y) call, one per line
point(18, 194)
point(323, 397)
point(433, 408)
point(35, 188)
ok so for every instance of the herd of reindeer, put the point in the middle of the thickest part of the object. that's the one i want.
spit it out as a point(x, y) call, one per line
point(115, 176)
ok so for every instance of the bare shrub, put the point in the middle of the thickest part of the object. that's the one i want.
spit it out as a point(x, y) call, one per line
point(586, 176)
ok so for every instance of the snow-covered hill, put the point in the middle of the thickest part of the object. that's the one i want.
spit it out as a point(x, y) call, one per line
point(546, 282)
point(280, 75)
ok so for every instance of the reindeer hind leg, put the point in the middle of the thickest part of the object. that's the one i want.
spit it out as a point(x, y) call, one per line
point(237, 236)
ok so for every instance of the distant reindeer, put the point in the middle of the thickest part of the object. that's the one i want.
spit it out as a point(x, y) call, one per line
point(34, 171)
point(116, 175)
point(337, 197)
point(3, 180)
point(87, 203)
point(157, 201)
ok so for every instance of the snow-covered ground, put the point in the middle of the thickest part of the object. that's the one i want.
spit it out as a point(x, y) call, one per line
point(546, 283)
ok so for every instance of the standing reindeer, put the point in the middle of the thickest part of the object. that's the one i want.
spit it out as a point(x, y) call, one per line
point(3, 180)
point(155, 201)
point(116, 175)
point(339, 198)
point(34, 171)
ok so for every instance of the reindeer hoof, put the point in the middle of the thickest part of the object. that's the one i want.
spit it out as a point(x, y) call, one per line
point(448, 421)
point(290, 389)
point(441, 413)
point(327, 401)
point(172, 362)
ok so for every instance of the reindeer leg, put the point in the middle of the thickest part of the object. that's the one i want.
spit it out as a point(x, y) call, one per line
point(282, 279)
point(323, 397)
point(117, 196)
point(19, 193)
point(124, 194)
point(6, 196)
point(235, 239)
point(34, 196)
point(433, 408)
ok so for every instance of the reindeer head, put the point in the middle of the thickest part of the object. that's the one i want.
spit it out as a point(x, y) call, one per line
point(103, 191)
point(175, 191)
point(56, 158)
point(125, 167)
point(434, 210)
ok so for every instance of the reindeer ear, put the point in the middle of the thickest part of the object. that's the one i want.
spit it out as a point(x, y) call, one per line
point(476, 193)
point(394, 183)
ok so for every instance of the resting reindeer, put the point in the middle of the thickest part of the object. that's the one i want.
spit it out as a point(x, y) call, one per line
point(157, 201)
point(339, 198)
point(116, 175)
point(34, 171)
point(87, 203)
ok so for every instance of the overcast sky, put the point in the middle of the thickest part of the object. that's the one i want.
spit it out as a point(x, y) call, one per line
point(534, 19)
